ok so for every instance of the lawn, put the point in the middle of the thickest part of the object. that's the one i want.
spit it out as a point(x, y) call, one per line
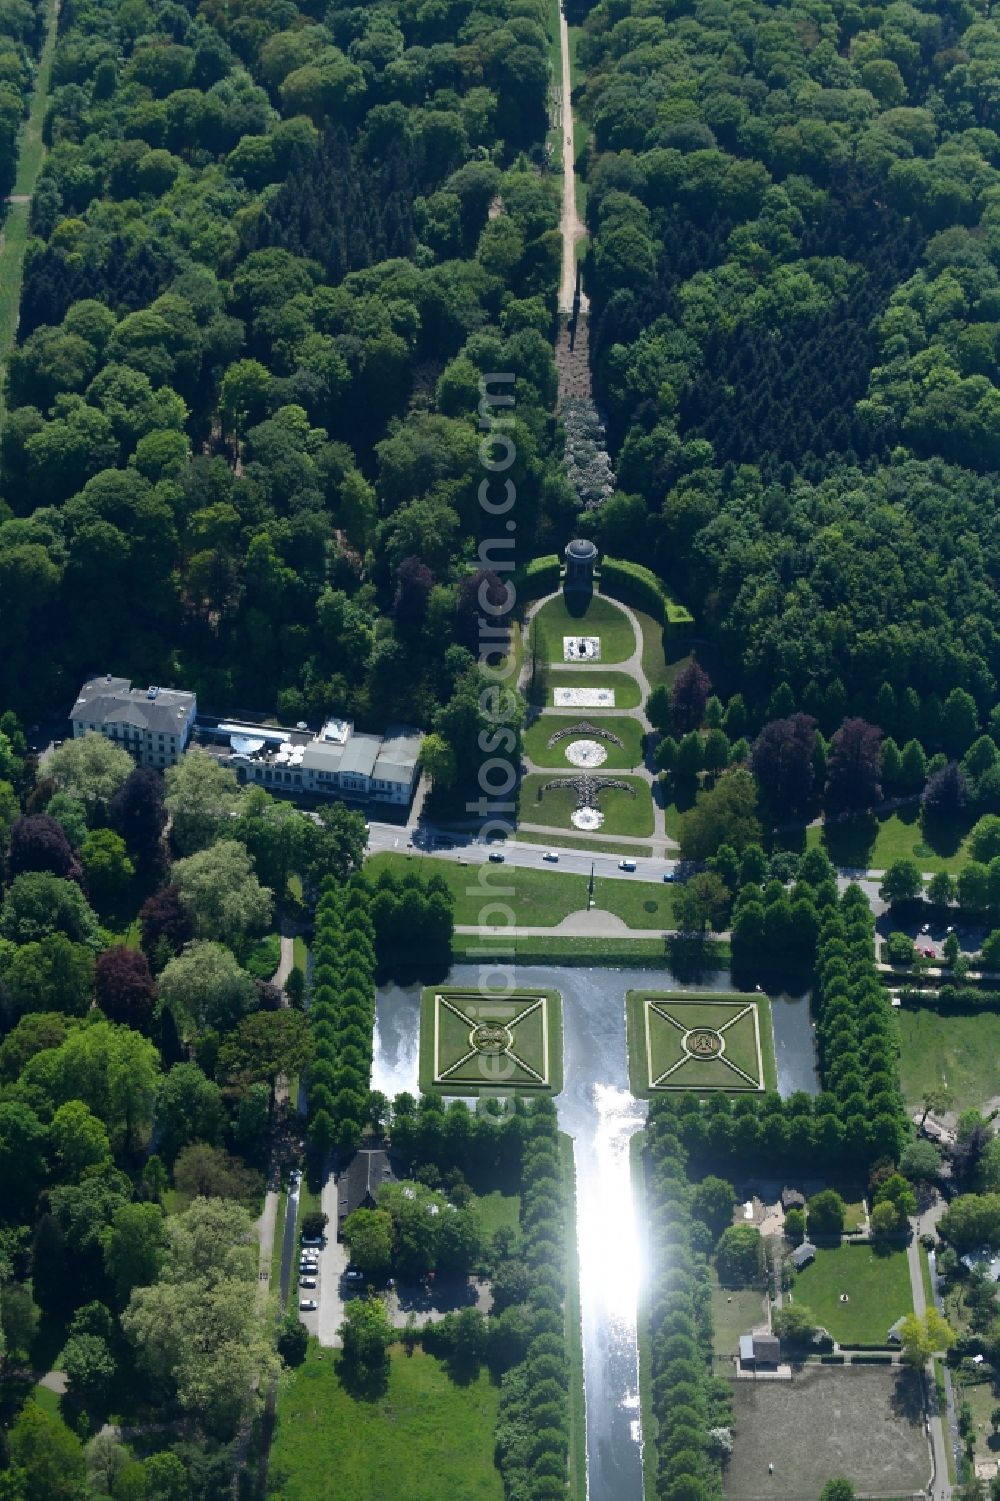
point(496, 1211)
point(623, 813)
point(735, 1311)
point(874, 843)
point(597, 617)
point(620, 952)
point(473, 1043)
point(960, 1051)
point(31, 151)
point(623, 757)
point(426, 1438)
point(664, 1032)
point(540, 898)
point(877, 1286)
point(625, 688)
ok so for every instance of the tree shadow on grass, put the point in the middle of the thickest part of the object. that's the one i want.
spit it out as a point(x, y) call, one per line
point(850, 841)
point(690, 957)
point(942, 836)
point(365, 1382)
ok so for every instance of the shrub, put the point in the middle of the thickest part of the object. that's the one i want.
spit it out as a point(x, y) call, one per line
point(639, 587)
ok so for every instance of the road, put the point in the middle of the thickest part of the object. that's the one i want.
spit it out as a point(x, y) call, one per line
point(469, 850)
point(940, 1488)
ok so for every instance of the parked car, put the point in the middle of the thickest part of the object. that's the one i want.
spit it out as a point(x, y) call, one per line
point(307, 1281)
point(626, 865)
point(312, 1240)
point(668, 875)
point(551, 856)
point(308, 1305)
point(928, 953)
point(354, 1274)
point(926, 928)
point(308, 1264)
point(496, 856)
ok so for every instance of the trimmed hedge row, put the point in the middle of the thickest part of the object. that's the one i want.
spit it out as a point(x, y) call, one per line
point(953, 998)
point(341, 1017)
point(540, 576)
point(532, 1433)
point(690, 1405)
point(639, 586)
point(854, 1031)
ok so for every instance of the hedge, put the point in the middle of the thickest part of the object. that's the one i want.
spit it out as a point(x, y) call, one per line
point(540, 576)
point(532, 1452)
point(341, 1017)
point(956, 998)
point(639, 586)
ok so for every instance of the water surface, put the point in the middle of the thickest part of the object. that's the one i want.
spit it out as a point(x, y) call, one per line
point(598, 1111)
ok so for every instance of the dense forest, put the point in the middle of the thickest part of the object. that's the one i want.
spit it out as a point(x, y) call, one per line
point(794, 329)
point(273, 251)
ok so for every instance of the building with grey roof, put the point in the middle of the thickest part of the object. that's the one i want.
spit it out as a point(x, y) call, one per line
point(335, 763)
point(803, 1255)
point(154, 723)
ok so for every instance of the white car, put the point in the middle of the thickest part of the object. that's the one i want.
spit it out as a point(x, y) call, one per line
point(551, 856)
point(308, 1305)
point(307, 1281)
point(308, 1268)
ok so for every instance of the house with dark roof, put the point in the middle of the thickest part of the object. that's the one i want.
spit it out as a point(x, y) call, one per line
point(359, 1182)
point(153, 723)
point(759, 1350)
point(803, 1255)
point(791, 1198)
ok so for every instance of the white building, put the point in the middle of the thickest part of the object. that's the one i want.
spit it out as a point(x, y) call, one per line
point(335, 763)
point(154, 724)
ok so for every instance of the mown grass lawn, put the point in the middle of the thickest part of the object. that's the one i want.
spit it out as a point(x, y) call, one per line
point(598, 617)
point(877, 1288)
point(960, 1051)
point(425, 1439)
point(497, 1210)
point(539, 898)
point(735, 1311)
point(625, 688)
point(623, 814)
point(622, 757)
point(875, 842)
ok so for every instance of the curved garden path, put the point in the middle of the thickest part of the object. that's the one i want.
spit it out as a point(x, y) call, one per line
point(632, 667)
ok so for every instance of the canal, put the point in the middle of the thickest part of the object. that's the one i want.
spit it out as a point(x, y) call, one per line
point(598, 1111)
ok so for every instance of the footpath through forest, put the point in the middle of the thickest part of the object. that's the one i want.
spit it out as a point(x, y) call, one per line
point(572, 346)
point(14, 237)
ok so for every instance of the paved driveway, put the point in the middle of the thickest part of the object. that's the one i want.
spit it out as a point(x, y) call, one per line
point(332, 1265)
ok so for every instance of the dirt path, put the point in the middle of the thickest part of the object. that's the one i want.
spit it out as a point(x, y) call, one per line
point(570, 224)
point(31, 153)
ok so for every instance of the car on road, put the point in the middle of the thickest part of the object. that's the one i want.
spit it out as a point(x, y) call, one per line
point(307, 1281)
point(626, 865)
point(497, 857)
point(551, 856)
point(308, 1305)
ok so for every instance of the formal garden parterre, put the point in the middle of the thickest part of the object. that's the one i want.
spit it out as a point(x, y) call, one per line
point(473, 1043)
point(697, 1041)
